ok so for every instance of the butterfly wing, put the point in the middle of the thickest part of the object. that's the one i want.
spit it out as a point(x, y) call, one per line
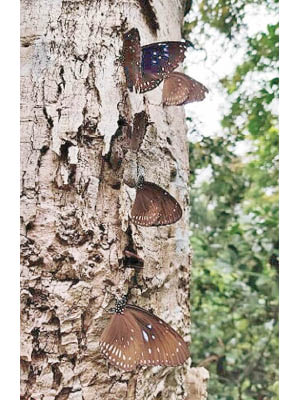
point(175, 90)
point(146, 207)
point(153, 206)
point(197, 90)
point(131, 57)
point(161, 344)
point(158, 61)
point(120, 342)
point(149, 82)
point(180, 89)
point(139, 129)
point(171, 211)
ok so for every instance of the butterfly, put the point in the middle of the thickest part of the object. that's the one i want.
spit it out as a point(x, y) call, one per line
point(153, 206)
point(135, 337)
point(180, 89)
point(158, 61)
point(140, 123)
point(146, 66)
point(131, 57)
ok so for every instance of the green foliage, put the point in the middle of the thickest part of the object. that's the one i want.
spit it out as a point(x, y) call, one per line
point(227, 16)
point(234, 223)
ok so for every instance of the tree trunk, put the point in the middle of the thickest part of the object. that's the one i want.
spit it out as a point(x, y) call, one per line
point(75, 206)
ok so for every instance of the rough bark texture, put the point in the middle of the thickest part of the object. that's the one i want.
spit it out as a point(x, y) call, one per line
point(75, 206)
point(196, 381)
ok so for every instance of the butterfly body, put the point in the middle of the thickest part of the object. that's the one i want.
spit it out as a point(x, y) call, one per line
point(180, 89)
point(135, 336)
point(154, 206)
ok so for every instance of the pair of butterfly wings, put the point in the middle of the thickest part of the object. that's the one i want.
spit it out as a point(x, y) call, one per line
point(180, 89)
point(153, 206)
point(146, 66)
point(137, 337)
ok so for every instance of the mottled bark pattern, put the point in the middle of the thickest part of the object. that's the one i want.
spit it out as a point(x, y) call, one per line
point(196, 381)
point(75, 206)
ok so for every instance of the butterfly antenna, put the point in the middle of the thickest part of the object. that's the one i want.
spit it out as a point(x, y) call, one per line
point(189, 43)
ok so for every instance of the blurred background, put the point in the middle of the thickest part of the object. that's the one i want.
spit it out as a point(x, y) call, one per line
point(233, 138)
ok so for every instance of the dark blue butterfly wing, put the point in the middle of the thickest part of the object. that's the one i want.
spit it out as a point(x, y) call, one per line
point(158, 61)
point(163, 57)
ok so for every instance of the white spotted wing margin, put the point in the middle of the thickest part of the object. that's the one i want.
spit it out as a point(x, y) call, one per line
point(120, 341)
point(137, 337)
point(154, 206)
point(162, 344)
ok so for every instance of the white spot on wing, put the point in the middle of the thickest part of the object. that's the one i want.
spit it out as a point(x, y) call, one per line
point(146, 337)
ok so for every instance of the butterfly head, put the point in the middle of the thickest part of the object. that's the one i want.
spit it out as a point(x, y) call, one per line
point(140, 181)
point(120, 305)
point(133, 35)
point(189, 44)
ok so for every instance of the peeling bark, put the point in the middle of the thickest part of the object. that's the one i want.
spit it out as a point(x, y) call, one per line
point(75, 205)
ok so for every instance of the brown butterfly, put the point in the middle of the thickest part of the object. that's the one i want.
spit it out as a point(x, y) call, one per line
point(180, 89)
point(135, 337)
point(140, 123)
point(153, 206)
point(131, 56)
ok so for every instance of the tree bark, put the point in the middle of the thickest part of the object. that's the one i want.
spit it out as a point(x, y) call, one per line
point(196, 381)
point(75, 206)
